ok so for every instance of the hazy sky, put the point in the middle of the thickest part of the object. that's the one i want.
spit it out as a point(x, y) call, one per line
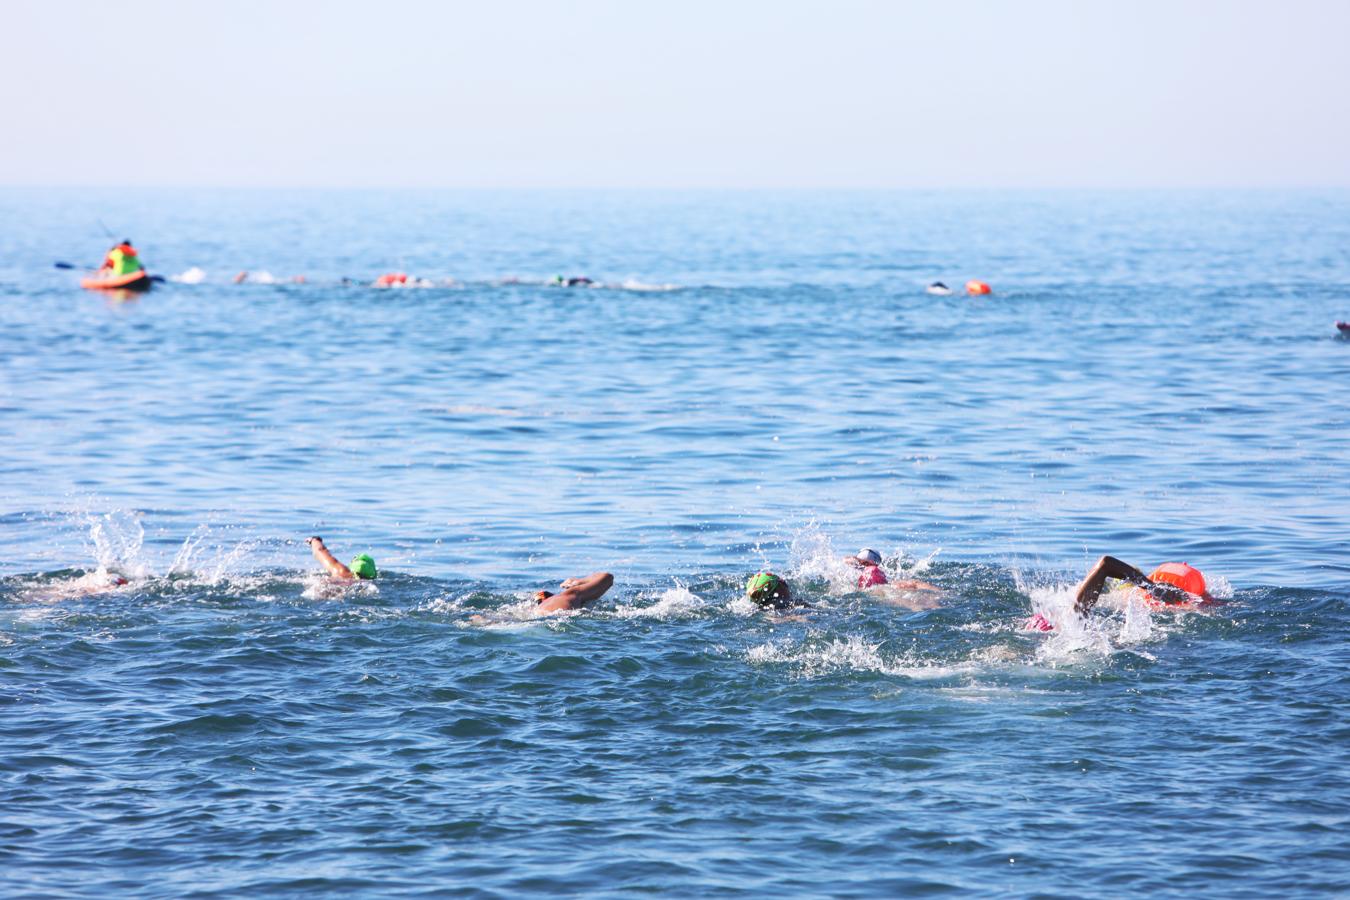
point(723, 93)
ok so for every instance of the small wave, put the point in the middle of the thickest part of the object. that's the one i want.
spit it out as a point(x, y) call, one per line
point(319, 586)
point(676, 603)
point(1074, 636)
point(852, 654)
point(520, 614)
point(193, 275)
point(631, 284)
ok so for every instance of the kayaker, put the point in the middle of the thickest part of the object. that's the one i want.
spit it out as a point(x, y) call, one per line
point(121, 259)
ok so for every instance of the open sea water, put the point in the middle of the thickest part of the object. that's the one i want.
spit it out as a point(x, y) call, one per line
point(757, 380)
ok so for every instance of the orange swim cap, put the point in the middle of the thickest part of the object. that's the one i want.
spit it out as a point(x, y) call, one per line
point(978, 287)
point(1181, 575)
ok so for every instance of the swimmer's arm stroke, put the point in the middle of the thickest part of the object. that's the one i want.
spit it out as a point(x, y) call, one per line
point(327, 560)
point(576, 592)
point(1110, 567)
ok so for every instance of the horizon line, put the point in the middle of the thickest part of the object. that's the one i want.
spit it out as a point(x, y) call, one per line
point(675, 188)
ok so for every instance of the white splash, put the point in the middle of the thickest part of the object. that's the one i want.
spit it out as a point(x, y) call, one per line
point(118, 537)
point(632, 284)
point(193, 275)
point(853, 654)
point(675, 603)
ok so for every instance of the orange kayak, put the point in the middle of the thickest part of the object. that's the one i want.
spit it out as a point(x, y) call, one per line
point(132, 281)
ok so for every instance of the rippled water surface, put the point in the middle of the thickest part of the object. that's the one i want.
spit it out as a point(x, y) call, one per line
point(756, 380)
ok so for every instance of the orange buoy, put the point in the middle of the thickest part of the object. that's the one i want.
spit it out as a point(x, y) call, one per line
point(978, 287)
point(389, 279)
point(1181, 575)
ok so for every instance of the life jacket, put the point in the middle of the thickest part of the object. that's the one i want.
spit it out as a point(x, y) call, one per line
point(124, 260)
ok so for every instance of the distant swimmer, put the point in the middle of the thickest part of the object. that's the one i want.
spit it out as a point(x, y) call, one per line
point(401, 280)
point(769, 591)
point(1175, 585)
point(1344, 327)
point(939, 288)
point(574, 593)
point(573, 281)
point(362, 566)
point(910, 592)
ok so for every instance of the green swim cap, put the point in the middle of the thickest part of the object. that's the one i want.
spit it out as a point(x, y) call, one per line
point(766, 588)
point(363, 566)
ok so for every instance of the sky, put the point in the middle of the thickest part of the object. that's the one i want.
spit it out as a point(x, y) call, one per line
point(687, 94)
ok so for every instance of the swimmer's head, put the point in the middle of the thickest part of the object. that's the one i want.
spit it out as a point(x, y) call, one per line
point(869, 557)
point(363, 566)
point(1181, 575)
point(767, 589)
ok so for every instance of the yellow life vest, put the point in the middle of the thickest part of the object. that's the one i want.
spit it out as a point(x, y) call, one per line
point(124, 262)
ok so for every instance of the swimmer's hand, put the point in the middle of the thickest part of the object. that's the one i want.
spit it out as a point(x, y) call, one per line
point(314, 540)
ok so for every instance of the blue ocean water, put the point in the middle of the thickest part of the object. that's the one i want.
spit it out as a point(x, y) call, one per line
point(756, 380)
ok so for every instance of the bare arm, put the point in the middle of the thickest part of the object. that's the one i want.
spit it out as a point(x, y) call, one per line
point(914, 584)
point(1107, 567)
point(327, 560)
point(576, 592)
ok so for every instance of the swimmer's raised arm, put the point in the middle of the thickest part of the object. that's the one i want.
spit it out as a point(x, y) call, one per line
point(327, 560)
point(1106, 567)
point(575, 593)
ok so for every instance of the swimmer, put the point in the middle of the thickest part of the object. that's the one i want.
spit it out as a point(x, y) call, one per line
point(769, 591)
point(1343, 327)
point(574, 593)
point(97, 582)
point(900, 593)
point(939, 289)
point(362, 566)
point(101, 580)
point(869, 561)
point(573, 281)
point(1177, 585)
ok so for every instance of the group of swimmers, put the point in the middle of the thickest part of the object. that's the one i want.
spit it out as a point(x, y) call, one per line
point(1174, 585)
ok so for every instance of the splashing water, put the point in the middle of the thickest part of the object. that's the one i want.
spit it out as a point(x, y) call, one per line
point(674, 603)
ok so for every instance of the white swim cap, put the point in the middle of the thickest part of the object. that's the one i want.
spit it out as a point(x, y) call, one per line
point(869, 556)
